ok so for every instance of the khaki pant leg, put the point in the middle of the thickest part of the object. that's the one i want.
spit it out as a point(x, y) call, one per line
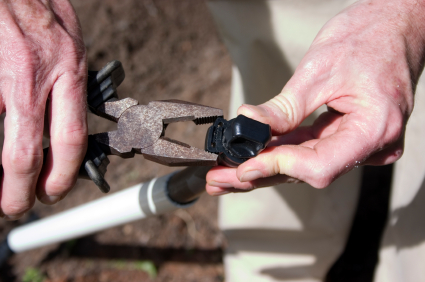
point(287, 232)
point(402, 255)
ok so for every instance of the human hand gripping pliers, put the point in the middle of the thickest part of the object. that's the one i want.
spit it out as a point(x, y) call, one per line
point(141, 129)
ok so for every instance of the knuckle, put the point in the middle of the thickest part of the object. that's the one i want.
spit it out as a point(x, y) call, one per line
point(399, 151)
point(287, 106)
point(25, 159)
point(397, 154)
point(57, 185)
point(73, 49)
point(320, 177)
point(319, 182)
point(394, 154)
point(395, 129)
point(21, 52)
point(389, 130)
point(74, 135)
point(318, 174)
point(16, 208)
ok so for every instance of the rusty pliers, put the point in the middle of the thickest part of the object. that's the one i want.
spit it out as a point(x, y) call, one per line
point(141, 130)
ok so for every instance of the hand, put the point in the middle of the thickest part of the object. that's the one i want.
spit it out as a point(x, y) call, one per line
point(364, 65)
point(42, 56)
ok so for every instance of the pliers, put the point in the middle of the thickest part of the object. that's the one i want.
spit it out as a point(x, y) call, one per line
point(141, 129)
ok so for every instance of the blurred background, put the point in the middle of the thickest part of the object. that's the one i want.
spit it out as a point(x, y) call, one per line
point(169, 50)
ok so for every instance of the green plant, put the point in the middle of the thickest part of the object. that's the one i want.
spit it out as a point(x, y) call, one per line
point(143, 265)
point(33, 275)
point(119, 264)
point(146, 266)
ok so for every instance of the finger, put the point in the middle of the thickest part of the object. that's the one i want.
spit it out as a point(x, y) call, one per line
point(223, 180)
point(68, 136)
point(388, 155)
point(22, 151)
point(223, 177)
point(317, 162)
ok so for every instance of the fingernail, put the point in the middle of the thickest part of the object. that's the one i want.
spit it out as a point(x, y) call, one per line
point(258, 110)
point(220, 184)
point(13, 217)
point(50, 200)
point(220, 193)
point(251, 175)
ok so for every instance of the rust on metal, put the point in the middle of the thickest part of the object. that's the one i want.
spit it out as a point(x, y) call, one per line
point(141, 127)
point(115, 109)
point(169, 152)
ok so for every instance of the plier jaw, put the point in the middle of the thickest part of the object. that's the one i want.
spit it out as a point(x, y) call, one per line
point(141, 130)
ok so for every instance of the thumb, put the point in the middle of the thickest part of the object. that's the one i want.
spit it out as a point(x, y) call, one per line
point(283, 113)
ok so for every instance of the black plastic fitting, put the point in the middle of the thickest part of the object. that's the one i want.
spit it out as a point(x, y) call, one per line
point(237, 140)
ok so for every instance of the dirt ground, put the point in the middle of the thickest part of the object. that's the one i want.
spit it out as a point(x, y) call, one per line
point(170, 50)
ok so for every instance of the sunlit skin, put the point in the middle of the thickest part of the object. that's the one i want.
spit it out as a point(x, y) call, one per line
point(42, 57)
point(364, 65)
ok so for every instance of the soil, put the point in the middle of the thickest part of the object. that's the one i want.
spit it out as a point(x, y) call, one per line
point(170, 50)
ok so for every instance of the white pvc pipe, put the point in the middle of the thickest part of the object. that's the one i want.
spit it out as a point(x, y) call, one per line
point(133, 203)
